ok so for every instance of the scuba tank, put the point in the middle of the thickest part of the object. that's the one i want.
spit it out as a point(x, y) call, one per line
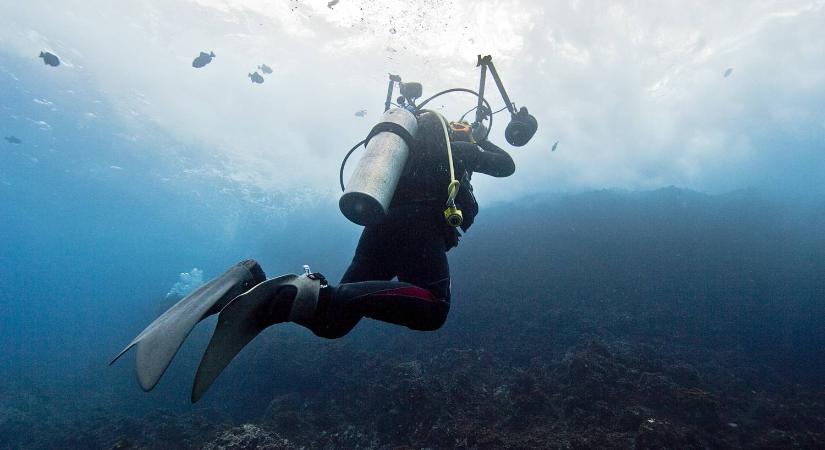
point(372, 185)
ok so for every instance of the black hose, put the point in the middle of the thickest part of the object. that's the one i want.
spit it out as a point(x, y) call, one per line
point(468, 112)
point(447, 91)
point(344, 163)
point(474, 108)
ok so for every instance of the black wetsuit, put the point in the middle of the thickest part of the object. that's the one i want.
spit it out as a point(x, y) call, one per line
point(412, 242)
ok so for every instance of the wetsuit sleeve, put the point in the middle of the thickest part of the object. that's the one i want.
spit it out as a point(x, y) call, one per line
point(492, 160)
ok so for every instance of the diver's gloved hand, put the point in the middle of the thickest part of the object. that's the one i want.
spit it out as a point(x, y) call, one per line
point(467, 153)
point(479, 132)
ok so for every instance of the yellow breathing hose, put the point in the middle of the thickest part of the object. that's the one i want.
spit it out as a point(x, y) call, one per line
point(452, 188)
point(452, 214)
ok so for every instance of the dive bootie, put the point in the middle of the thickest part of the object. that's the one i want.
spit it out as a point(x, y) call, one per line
point(288, 298)
point(158, 343)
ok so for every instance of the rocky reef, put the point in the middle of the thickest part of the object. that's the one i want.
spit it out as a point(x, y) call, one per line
point(642, 322)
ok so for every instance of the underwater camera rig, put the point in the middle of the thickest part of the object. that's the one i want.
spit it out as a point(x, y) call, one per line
point(367, 196)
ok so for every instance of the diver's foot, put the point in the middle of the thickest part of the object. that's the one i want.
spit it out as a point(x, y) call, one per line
point(158, 343)
point(286, 298)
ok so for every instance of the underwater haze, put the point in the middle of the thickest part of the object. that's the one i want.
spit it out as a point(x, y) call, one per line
point(652, 275)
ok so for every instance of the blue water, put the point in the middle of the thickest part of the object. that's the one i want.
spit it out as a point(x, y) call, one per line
point(96, 228)
point(93, 233)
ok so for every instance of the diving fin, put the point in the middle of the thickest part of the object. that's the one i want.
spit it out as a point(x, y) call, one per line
point(285, 298)
point(160, 341)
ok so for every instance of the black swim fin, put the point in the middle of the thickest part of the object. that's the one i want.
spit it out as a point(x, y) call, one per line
point(286, 298)
point(160, 341)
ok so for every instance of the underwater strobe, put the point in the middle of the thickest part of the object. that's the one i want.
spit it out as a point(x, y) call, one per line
point(521, 128)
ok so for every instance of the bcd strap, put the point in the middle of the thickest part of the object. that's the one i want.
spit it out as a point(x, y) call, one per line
point(391, 127)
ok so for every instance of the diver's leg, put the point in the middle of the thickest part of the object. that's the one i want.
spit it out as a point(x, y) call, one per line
point(420, 300)
point(373, 259)
point(330, 311)
point(394, 302)
point(426, 265)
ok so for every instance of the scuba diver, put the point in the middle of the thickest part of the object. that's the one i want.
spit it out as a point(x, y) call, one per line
point(406, 193)
point(412, 241)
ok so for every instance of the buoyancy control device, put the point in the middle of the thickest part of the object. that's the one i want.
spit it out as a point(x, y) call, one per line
point(366, 199)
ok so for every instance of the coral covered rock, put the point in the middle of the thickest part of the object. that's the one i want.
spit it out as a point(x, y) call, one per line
point(248, 436)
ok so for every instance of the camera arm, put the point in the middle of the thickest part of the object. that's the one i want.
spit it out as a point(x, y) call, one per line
point(485, 62)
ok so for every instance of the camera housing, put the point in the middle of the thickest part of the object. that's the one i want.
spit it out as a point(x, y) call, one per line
point(521, 128)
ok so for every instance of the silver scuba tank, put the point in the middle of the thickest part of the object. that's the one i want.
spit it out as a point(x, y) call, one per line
point(372, 185)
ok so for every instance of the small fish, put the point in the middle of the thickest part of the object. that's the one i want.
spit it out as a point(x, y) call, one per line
point(361, 113)
point(265, 69)
point(203, 59)
point(332, 3)
point(50, 59)
point(554, 146)
point(13, 140)
point(728, 72)
point(256, 78)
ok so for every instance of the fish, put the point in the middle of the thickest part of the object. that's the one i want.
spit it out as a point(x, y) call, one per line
point(49, 59)
point(265, 69)
point(256, 78)
point(728, 72)
point(203, 59)
point(13, 140)
point(554, 146)
point(332, 3)
point(361, 113)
